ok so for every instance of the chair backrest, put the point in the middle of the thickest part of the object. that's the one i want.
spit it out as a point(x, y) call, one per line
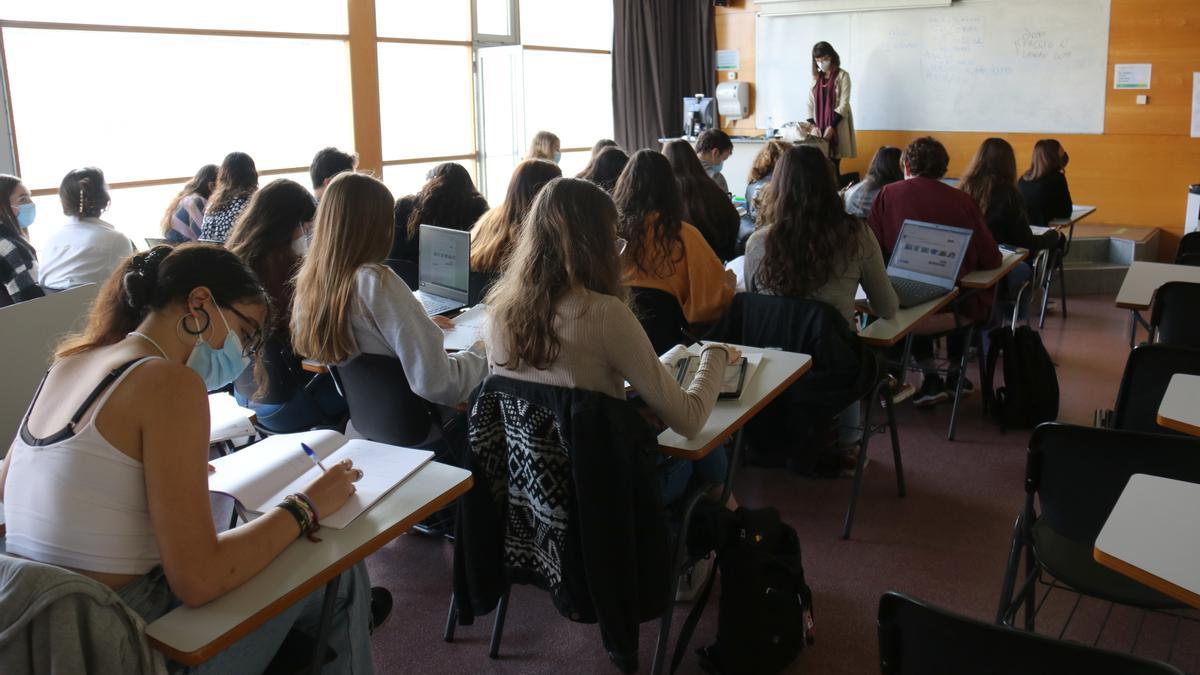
point(1189, 245)
point(1079, 472)
point(916, 638)
point(1174, 319)
point(1148, 371)
point(406, 270)
point(661, 317)
point(1189, 259)
point(383, 407)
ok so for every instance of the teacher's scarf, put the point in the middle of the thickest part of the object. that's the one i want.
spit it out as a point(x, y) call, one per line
point(825, 93)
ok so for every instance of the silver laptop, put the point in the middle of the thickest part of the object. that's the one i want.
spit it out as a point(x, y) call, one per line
point(926, 260)
point(444, 272)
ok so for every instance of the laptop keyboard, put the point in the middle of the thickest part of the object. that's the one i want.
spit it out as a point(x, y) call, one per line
point(436, 305)
point(912, 293)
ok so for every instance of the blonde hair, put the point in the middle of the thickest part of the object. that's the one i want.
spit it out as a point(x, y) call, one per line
point(353, 227)
point(543, 146)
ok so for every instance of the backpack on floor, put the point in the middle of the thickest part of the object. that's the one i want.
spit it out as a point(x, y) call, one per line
point(1029, 395)
point(765, 612)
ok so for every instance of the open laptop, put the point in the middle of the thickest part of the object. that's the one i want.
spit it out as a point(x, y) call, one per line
point(444, 271)
point(925, 261)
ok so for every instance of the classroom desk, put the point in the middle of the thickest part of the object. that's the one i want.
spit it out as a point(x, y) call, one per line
point(194, 635)
point(1078, 213)
point(1153, 537)
point(985, 279)
point(777, 371)
point(228, 420)
point(1178, 409)
point(887, 332)
point(1140, 284)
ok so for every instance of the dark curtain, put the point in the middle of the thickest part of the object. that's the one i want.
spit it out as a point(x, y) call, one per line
point(663, 50)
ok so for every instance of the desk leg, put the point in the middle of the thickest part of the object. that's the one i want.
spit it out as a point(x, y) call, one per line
point(1135, 319)
point(322, 639)
point(908, 340)
point(962, 374)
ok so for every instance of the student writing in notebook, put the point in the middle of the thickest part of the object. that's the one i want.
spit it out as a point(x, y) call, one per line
point(108, 474)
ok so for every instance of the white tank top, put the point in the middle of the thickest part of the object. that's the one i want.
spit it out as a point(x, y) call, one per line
point(72, 499)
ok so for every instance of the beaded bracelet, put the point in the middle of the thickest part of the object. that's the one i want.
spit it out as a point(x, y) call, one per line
point(305, 504)
point(288, 504)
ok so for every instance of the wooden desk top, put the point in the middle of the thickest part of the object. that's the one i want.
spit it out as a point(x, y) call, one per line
point(983, 279)
point(1143, 279)
point(777, 371)
point(194, 635)
point(1180, 407)
point(313, 366)
point(1153, 536)
point(887, 332)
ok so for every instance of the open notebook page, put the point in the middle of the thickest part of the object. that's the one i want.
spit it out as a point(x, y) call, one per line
point(468, 329)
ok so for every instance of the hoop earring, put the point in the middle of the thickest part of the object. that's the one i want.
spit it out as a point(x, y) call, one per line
point(198, 332)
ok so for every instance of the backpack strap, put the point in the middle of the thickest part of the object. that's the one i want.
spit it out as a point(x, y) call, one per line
point(693, 618)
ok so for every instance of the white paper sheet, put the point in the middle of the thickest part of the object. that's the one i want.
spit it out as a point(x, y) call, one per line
point(469, 328)
point(227, 420)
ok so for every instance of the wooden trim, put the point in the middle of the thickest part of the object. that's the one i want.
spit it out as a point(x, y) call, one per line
point(586, 148)
point(364, 85)
point(573, 50)
point(1177, 425)
point(298, 593)
point(42, 192)
point(1145, 578)
point(427, 160)
point(423, 41)
point(12, 123)
point(166, 30)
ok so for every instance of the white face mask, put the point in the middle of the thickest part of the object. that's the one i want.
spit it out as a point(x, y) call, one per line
point(823, 65)
point(300, 245)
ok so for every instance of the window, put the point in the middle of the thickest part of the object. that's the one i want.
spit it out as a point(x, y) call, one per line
point(496, 22)
point(570, 94)
point(286, 16)
point(423, 19)
point(579, 24)
point(430, 115)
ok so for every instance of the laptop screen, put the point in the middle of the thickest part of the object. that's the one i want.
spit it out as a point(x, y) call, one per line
point(445, 267)
point(934, 252)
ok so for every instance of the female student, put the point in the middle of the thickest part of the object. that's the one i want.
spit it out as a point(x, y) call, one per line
point(271, 237)
point(605, 170)
point(494, 236)
point(448, 199)
point(18, 259)
point(829, 103)
point(991, 180)
point(85, 250)
point(560, 316)
point(237, 179)
point(663, 251)
point(600, 146)
point(107, 476)
point(545, 145)
point(184, 219)
point(885, 169)
point(705, 204)
point(347, 302)
point(760, 175)
point(1044, 185)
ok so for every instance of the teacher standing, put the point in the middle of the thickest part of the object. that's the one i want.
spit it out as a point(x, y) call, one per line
point(829, 103)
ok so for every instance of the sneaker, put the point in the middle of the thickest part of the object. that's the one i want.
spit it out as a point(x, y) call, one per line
point(933, 392)
point(381, 607)
point(693, 580)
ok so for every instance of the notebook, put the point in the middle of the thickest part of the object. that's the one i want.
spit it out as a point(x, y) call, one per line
point(261, 475)
point(444, 269)
point(468, 329)
point(925, 261)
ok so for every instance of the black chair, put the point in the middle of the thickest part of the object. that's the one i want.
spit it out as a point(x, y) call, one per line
point(1188, 246)
point(661, 317)
point(383, 407)
point(1189, 259)
point(1053, 264)
point(1173, 317)
point(1077, 474)
point(919, 639)
point(1148, 371)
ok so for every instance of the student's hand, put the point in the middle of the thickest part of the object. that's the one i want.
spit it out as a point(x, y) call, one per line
point(733, 353)
point(442, 322)
point(331, 489)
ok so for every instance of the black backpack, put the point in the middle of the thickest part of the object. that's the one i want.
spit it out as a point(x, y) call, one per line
point(1029, 395)
point(765, 613)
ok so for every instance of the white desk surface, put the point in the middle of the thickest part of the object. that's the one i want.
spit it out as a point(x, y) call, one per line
point(1180, 406)
point(1143, 279)
point(193, 635)
point(228, 420)
point(887, 332)
point(1078, 213)
point(777, 371)
point(1153, 536)
point(982, 279)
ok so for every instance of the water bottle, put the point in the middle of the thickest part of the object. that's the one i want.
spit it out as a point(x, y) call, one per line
point(770, 130)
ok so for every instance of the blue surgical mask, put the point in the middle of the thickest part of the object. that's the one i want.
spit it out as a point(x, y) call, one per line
point(26, 213)
point(557, 156)
point(716, 168)
point(221, 366)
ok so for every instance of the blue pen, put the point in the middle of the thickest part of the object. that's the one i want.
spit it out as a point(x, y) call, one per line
point(313, 456)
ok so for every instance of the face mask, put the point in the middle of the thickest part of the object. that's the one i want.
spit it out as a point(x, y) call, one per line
point(823, 65)
point(25, 215)
point(716, 168)
point(300, 245)
point(557, 156)
point(218, 367)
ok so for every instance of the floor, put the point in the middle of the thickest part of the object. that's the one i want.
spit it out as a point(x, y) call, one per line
point(945, 543)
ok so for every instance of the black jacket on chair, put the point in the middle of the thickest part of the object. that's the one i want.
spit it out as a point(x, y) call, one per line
point(565, 498)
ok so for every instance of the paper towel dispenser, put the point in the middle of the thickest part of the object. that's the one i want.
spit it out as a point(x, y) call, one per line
point(733, 100)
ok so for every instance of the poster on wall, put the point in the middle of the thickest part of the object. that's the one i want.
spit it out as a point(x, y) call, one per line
point(1131, 76)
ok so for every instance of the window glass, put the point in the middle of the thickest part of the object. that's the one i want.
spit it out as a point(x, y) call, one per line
point(492, 17)
point(583, 24)
point(440, 20)
point(569, 94)
point(195, 100)
point(286, 16)
point(430, 115)
point(573, 162)
point(407, 179)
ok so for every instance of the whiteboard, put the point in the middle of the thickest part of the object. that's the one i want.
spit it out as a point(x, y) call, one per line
point(978, 65)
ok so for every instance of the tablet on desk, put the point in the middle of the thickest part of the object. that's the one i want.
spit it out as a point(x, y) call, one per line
point(731, 388)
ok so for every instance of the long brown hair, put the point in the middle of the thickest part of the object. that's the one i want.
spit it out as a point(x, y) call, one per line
point(8, 219)
point(448, 199)
point(267, 226)
point(600, 146)
point(606, 168)
point(766, 159)
point(703, 200)
point(991, 174)
point(567, 242)
point(1047, 159)
point(494, 236)
point(237, 177)
point(812, 238)
point(353, 228)
point(651, 214)
point(198, 185)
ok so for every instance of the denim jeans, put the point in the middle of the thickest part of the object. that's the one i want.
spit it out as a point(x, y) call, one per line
point(317, 404)
point(675, 474)
point(349, 636)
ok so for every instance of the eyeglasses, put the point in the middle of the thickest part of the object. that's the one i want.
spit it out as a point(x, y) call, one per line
point(621, 244)
point(254, 341)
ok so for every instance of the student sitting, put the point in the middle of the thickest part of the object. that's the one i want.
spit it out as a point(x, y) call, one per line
point(494, 236)
point(884, 170)
point(108, 476)
point(760, 174)
point(184, 219)
point(327, 163)
point(18, 259)
point(600, 146)
point(85, 250)
point(1044, 185)
point(271, 236)
point(923, 196)
point(560, 316)
point(606, 168)
point(991, 180)
point(663, 251)
point(237, 179)
point(705, 205)
point(545, 145)
point(347, 302)
point(713, 147)
point(449, 199)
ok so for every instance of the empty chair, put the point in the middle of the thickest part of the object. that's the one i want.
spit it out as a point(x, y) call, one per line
point(383, 407)
point(1173, 318)
point(1148, 371)
point(661, 317)
point(1188, 246)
